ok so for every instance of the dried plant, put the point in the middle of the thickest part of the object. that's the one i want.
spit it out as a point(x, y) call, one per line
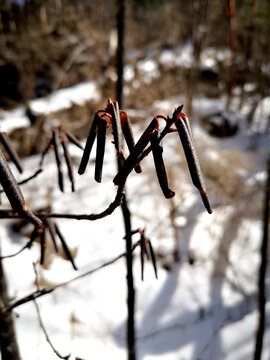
point(14, 194)
point(11, 151)
point(119, 122)
point(53, 229)
point(150, 141)
point(147, 251)
point(62, 136)
point(111, 116)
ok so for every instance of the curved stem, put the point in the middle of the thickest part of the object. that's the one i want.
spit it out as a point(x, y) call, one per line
point(5, 213)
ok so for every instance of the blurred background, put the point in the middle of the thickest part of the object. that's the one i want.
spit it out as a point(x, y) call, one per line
point(215, 49)
point(59, 63)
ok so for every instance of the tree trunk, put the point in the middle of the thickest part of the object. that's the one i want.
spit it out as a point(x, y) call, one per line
point(233, 47)
point(124, 205)
point(8, 343)
point(120, 50)
point(262, 270)
point(130, 282)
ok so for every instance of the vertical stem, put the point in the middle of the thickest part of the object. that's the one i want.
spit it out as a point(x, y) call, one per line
point(130, 282)
point(120, 50)
point(251, 29)
point(199, 21)
point(262, 270)
point(2, 25)
point(124, 205)
point(233, 46)
point(8, 343)
point(176, 255)
point(249, 48)
point(130, 279)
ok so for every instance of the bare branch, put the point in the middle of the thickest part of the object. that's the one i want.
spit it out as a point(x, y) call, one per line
point(10, 214)
point(68, 163)
point(11, 151)
point(58, 159)
point(65, 247)
point(13, 192)
point(26, 246)
point(43, 326)
point(73, 139)
point(26, 180)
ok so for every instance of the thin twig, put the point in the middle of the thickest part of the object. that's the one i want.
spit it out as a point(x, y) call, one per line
point(42, 324)
point(11, 151)
point(26, 246)
point(26, 180)
point(14, 194)
point(10, 214)
point(41, 292)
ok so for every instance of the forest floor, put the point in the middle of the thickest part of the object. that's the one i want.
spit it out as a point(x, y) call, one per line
point(202, 306)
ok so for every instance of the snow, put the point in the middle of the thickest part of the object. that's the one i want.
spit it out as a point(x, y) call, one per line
point(129, 73)
point(11, 120)
point(65, 98)
point(149, 69)
point(177, 315)
point(181, 56)
point(200, 309)
point(261, 120)
point(167, 58)
point(249, 87)
point(60, 99)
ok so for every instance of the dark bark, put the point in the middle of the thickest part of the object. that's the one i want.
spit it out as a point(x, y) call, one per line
point(120, 51)
point(130, 282)
point(8, 343)
point(262, 270)
point(233, 47)
point(124, 205)
point(199, 21)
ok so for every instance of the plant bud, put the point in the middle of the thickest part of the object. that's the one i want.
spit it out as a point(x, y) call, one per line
point(89, 144)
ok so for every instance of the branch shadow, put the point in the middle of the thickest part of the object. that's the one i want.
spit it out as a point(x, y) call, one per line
point(195, 331)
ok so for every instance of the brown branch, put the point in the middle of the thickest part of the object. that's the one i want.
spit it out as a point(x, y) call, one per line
point(11, 151)
point(10, 214)
point(65, 247)
point(14, 194)
point(26, 180)
point(58, 159)
point(68, 163)
point(92, 217)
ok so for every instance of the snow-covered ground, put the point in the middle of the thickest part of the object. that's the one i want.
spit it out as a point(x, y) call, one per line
point(60, 99)
point(202, 307)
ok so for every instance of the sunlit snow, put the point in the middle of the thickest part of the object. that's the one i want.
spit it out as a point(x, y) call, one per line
point(202, 307)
